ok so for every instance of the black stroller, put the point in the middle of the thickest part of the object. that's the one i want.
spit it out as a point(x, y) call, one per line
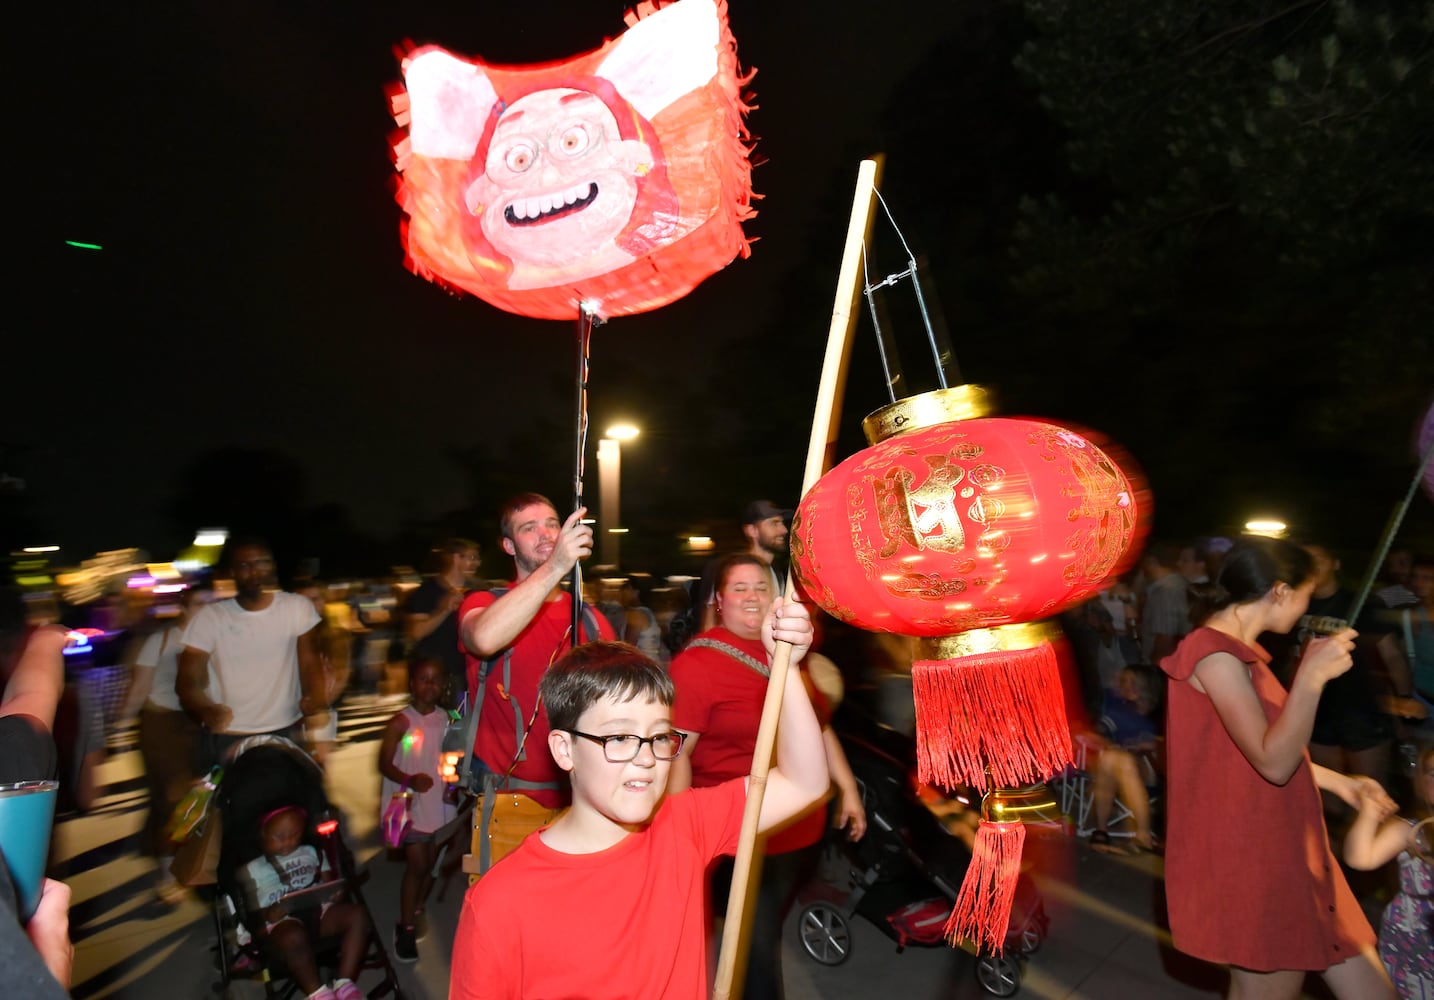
point(907, 870)
point(266, 776)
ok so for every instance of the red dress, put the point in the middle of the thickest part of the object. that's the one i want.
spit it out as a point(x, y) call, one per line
point(1249, 877)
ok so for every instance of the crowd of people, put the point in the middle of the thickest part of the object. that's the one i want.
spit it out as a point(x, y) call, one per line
point(1218, 693)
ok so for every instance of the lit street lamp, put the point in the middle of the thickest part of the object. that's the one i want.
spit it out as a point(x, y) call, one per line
point(1269, 527)
point(609, 488)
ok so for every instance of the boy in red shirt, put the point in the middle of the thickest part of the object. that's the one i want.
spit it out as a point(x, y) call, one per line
point(610, 900)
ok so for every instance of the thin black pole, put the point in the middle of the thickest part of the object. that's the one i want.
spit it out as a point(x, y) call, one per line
point(587, 319)
point(1392, 529)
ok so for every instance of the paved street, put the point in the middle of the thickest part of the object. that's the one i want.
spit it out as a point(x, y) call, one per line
point(1103, 940)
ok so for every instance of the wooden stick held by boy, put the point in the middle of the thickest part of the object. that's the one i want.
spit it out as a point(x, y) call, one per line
point(820, 453)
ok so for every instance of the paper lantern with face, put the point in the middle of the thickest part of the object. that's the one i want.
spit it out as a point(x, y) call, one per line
point(619, 178)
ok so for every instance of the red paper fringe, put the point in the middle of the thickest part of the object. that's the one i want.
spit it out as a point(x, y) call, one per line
point(990, 719)
point(983, 907)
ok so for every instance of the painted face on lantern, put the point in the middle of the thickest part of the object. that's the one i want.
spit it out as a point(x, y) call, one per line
point(559, 183)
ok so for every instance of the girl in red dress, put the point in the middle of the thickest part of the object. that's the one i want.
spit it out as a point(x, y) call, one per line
point(1250, 879)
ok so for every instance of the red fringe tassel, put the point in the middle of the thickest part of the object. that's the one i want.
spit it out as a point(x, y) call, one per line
point(983, 907)
point(990, 719)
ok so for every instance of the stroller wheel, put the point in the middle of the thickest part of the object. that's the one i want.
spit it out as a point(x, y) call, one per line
point(998, 975)
point(1031, 938)
point(825, 933)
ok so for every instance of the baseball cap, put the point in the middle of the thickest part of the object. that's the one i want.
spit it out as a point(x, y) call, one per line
point(760, 510)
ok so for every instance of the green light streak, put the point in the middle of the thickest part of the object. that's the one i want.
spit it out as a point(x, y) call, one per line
point(83, 246)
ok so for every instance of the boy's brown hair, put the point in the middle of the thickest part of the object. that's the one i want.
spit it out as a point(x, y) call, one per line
point(594, 671)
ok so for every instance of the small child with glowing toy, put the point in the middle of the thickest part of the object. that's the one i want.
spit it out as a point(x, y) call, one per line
point(409, 759)
point(610, 900)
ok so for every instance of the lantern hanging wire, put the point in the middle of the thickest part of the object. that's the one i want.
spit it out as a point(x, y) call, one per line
point(948, 372)
point(885, 345)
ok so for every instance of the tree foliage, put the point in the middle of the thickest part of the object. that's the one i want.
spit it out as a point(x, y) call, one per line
point(1251, 195)
point(1299, 131)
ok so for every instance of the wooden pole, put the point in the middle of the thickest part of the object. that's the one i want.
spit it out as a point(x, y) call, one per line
point(820, 448)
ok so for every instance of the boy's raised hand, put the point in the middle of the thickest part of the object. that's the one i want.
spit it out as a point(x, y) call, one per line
point(787, 621)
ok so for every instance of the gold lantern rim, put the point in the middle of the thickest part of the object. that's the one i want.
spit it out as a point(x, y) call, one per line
point(928, 409)
point(992, 639)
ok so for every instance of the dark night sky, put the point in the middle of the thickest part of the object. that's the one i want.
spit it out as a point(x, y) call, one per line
point(233, 161)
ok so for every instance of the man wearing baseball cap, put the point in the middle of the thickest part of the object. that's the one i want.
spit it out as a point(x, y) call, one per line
point(765, 526)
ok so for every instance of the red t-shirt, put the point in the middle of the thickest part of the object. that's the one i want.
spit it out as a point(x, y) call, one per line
point(627, 922)
point(721, 698)
point(508, 711)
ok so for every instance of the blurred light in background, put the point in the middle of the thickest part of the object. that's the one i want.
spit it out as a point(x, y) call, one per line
point(1268, 527)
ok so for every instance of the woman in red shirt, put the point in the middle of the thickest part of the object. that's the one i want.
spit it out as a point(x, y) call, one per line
point(721, 682)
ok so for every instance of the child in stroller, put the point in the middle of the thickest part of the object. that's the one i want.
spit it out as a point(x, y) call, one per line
point(907, 871)
point(288, 878)
point(282, 887)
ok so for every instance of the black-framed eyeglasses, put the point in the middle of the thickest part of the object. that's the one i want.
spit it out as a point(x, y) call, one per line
point(620, 748)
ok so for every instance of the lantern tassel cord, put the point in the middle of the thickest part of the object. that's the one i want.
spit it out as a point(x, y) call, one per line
point(820, 446)
point(587, 321)
point(990, 718)
point(982, 912)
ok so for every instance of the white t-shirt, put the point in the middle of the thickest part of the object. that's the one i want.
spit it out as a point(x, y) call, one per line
point(160, 653)
point(254, 659)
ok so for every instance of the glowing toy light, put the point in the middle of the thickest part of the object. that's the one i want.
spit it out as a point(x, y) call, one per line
point(448, 766)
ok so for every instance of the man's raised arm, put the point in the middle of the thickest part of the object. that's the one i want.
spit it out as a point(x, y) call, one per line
point(488, 631)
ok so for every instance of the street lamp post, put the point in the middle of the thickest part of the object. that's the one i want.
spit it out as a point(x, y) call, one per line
point(609, 491)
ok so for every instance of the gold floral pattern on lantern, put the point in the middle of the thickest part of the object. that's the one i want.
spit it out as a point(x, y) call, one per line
point(972, 524)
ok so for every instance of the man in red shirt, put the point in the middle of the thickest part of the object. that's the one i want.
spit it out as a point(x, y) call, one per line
point(518, 631)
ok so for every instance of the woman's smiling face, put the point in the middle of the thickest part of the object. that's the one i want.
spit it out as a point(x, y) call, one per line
point(744, 600)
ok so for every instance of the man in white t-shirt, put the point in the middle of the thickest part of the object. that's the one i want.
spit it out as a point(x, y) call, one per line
point(250, 664)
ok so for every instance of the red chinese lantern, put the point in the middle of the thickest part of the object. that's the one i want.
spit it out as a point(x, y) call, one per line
point(965, 529)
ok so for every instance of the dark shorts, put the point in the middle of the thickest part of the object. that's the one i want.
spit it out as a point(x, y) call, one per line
point(214, 747)
point(1353, 730)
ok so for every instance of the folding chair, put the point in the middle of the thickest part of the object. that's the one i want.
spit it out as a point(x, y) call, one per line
point(1076, 789)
